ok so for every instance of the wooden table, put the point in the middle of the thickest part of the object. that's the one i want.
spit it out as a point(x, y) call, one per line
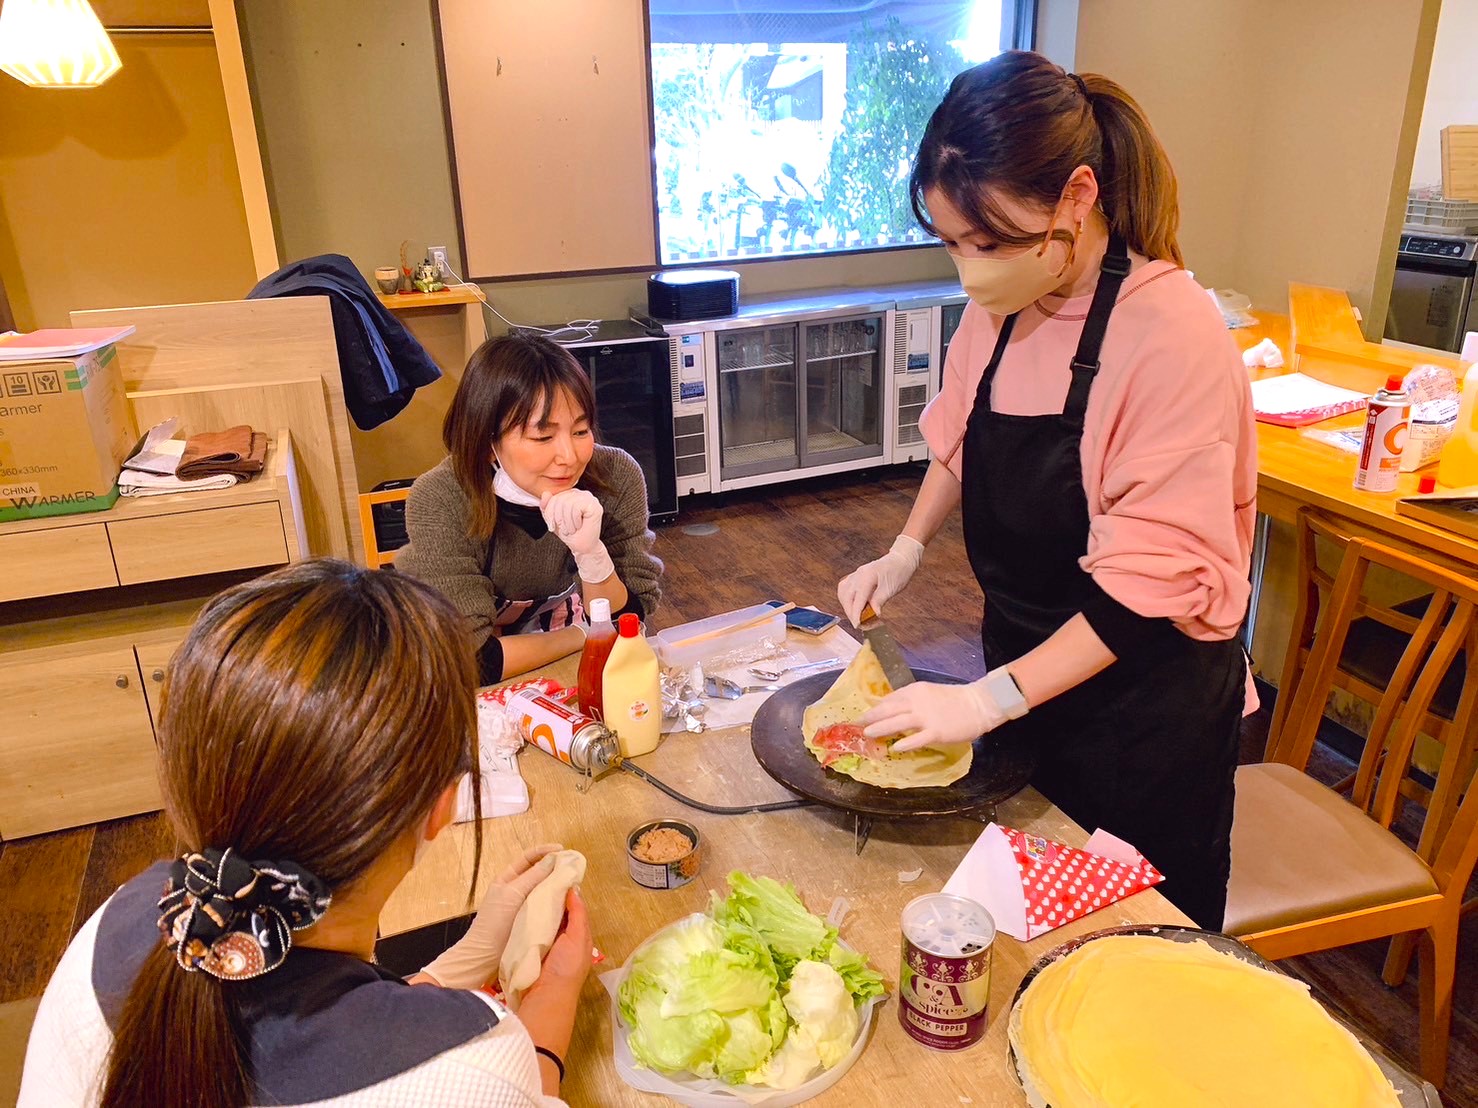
point(810, 847)
point(1295, 471)
point(1321, 337)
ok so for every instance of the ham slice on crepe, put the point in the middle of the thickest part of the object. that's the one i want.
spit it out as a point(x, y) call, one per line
point(834, 736)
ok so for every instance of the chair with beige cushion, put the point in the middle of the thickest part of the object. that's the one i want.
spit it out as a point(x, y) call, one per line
point(1312, 870)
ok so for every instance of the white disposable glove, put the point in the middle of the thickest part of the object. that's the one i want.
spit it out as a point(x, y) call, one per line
point(936, 714)
point(472, 961)
point(880, 581)
point(575, 517)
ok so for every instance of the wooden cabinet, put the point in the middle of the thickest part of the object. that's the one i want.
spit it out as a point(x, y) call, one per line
point(43, 563)
point(212, 540)
point(77, 745)
point(153, 653)
point(91, 609)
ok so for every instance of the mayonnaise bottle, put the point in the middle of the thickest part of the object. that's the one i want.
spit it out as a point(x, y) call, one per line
point(631, 690)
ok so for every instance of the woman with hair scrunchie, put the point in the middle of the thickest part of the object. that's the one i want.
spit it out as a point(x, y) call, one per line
point(306, 774)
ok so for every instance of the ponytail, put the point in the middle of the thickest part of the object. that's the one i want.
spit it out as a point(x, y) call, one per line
point(189, 1048)
point(314, 716)
point(1136, 187)
point(1020, 124)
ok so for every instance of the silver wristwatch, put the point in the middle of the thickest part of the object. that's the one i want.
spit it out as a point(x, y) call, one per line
point(1007, 693)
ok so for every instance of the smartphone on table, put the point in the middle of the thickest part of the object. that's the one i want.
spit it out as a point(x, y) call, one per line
point(807, 620)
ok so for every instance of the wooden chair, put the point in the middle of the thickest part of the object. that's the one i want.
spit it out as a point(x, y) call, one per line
point(1311, 870)
point(374, 557)
point(1378, 635)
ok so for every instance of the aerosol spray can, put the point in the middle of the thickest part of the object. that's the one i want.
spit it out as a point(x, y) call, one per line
point(578, 741)
point(1386, 420)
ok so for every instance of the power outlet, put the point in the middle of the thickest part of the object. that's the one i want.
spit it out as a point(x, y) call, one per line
point(437, 254)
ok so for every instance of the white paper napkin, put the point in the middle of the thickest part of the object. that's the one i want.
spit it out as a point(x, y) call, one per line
point(504, 792)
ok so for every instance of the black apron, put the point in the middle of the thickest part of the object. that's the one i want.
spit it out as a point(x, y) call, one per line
point(1147, 748)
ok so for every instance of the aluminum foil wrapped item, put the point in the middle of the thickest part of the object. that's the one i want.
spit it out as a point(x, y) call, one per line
point(682, 700)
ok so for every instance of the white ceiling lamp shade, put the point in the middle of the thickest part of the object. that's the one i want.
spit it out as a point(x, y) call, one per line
point(55, 44)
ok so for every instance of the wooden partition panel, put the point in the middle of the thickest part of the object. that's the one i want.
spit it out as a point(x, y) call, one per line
point(550, 133)
point(239, 346)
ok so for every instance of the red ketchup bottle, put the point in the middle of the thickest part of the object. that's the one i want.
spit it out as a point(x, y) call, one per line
point(598, 643)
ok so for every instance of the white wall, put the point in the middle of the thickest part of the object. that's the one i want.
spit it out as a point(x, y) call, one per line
point(1452, 90)
point(1287, 124)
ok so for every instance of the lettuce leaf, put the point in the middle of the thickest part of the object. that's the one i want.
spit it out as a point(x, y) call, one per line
point(747, 1046)
point(776, 912)
point(861, 980)
point(719, 981)
point(758, 991)
point(670, 1045)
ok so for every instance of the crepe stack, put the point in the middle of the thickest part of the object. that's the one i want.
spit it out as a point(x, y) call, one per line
point(1143, 1020)
point(833, 735)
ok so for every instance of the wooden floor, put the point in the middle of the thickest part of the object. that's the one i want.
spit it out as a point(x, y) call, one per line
point(792, 543)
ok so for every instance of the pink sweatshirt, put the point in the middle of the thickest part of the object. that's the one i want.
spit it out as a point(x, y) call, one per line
point(1169, 443)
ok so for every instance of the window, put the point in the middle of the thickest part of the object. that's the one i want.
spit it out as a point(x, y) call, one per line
point(788, 126)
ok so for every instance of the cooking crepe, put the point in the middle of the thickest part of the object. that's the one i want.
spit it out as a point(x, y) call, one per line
point(862, 685)
point(1144, 1020)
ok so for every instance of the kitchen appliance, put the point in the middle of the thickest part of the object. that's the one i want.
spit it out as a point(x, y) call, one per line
point(950, 315)
point(689, 357)
point(1000, 767)
point(1433, 292)
point(869, 361)
point(631, 375)
point(919, 346)
point(687, 294)
point(798, 396)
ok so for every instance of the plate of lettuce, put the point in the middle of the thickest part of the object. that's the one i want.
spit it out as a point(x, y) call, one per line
point(755, 1001)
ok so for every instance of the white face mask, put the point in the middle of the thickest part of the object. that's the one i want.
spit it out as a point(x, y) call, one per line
point(1006, 285)
point(505, 489)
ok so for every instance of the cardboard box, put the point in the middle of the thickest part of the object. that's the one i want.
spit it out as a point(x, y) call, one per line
point(65, 430)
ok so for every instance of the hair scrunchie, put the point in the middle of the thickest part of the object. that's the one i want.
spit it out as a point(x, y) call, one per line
point(234, 919)
point(1082, 87)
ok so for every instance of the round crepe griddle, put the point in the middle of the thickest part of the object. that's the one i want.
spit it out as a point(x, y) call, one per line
point(1000, 768)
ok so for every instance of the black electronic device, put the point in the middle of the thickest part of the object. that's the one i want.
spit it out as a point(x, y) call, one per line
point(676, 295)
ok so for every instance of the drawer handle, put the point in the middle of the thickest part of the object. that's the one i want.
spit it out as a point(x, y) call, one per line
point(122, 681)
point(159, 675)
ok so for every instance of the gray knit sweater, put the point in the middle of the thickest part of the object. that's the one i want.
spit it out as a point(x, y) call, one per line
point(522, 582)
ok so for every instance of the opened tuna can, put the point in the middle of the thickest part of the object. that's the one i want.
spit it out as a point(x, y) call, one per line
point(664, 854)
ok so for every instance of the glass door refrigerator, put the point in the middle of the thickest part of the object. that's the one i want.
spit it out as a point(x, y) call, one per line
point(842, 415)
point(758, 401)
point(631, 377)
point(799, 397)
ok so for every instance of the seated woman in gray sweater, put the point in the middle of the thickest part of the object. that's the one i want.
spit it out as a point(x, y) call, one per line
point(529, 519)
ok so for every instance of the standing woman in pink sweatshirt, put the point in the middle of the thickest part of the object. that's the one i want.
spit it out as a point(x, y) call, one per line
point(1095, 429)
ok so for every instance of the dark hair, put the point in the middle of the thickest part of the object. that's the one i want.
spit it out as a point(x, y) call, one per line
point(509, 382)
point(1022, 124)
point(311, 716)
